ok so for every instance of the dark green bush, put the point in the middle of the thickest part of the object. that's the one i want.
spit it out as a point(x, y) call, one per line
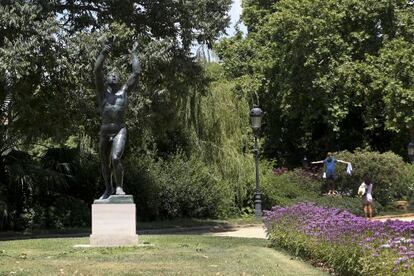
point(52, 191)
point(69, 212)
point(288, 187)
point(64, 212)
point(406, 190)
point(177, 187)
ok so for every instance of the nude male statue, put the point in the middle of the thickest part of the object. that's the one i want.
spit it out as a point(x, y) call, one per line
point(113, 101)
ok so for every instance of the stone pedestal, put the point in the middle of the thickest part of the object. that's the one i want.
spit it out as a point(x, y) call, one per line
point(114, 222)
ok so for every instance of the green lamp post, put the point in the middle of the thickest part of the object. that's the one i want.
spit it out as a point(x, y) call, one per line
point(256, 115)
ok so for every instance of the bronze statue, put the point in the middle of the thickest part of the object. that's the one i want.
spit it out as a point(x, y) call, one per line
point(113, 101)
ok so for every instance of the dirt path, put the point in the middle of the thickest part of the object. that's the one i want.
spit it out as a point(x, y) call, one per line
point(244, 232)
point(402, 218)
point(258, 231)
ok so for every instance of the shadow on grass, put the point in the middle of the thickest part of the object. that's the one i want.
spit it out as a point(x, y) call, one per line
point(177, 226)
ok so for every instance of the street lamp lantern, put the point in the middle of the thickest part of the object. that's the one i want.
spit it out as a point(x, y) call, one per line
point(256, 115)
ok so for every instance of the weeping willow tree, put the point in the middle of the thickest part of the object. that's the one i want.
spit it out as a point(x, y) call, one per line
point(222, 137)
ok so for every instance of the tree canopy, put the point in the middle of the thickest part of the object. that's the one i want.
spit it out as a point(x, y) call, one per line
point(47, 49)
point(330, 74)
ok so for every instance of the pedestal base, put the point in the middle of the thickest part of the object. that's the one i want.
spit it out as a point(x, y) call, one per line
point(112, 241)
point(113, 225)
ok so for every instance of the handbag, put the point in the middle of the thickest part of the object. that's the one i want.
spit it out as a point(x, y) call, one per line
point(362, 188)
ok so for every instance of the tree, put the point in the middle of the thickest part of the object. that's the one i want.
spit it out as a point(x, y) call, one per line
point(34, 78)
point(319, 69)
point(181, 20)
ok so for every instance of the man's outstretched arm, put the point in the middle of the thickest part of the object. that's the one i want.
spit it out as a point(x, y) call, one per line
point(344, 162)
point(136, 69)
point(98, 71)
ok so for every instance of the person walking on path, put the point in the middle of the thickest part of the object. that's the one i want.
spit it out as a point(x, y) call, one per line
point(367, 201)
point(330, 171)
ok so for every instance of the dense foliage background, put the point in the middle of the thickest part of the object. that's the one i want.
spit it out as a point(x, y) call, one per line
point(331, 76)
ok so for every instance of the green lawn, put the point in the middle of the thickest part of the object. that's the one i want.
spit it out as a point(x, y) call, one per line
point(159, 255)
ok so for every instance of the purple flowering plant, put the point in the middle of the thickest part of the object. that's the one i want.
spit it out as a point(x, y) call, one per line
point(280, 170)
point(351, 245)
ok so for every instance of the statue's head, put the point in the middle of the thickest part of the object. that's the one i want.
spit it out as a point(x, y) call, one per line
point(112, 78)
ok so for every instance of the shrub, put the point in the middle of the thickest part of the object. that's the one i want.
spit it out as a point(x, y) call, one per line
point(406, 190)
point(281, 190)
point(288, 187)
point(69, 212)
point(50, 191)
point(307, 179)
point(64, 212)
point(176, 187)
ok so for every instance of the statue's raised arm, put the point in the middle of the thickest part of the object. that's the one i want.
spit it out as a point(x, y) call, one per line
point(98, 72)
point(136, 69)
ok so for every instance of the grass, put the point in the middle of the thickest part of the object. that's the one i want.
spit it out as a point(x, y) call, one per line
point(160, 255)
point(392, 211)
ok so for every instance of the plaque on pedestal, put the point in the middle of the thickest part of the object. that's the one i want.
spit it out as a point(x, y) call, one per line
point(114, 222)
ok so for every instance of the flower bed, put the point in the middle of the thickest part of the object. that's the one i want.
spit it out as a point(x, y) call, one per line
point(349, 244)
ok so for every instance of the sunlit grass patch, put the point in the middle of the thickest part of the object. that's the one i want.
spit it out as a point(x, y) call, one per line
point(160, 255)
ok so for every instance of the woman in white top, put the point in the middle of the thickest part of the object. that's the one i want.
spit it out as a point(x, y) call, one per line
point(367, 200)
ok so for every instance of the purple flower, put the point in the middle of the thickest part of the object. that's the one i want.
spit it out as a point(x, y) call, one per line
point(341, 228)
